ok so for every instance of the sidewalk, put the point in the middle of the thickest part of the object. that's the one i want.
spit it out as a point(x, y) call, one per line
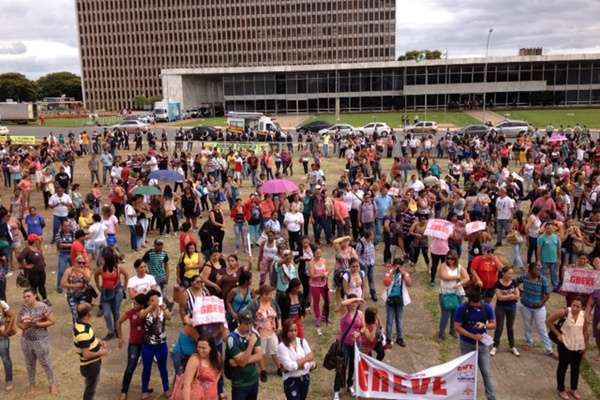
point(489, 115)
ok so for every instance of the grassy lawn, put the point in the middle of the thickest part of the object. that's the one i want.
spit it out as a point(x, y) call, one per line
point(189, 123)
point(557, 117)
point(79, 122)
point(394, 119)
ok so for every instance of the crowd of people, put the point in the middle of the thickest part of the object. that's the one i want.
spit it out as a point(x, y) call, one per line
point(311, 254)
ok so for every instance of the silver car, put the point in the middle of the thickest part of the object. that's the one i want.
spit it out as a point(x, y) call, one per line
point(512, 129)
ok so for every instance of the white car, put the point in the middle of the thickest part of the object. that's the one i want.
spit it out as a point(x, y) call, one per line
point(343, 129)
point(4, 130)
point(428, 127)
point(146, 118)
point(381, 128)
point(132, 126)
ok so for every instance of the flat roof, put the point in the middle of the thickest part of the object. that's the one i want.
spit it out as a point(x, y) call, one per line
point(380, 64)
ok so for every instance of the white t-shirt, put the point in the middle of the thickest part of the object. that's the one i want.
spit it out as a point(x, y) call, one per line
point(61, 210)
point(357, 199)
point(153, 164)
point(504, 207)
point(141, 285)
point(528, 170)
point(130, 215)
point(111, 224)
point(293, 221)
point(96, 232)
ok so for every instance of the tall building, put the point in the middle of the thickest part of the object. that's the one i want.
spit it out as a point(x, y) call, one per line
point(124, 44)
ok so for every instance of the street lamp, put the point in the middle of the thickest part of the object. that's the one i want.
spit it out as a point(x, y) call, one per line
point(487, 50)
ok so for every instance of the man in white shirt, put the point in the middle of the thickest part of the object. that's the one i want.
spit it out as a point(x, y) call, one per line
point(131, 221)
point(142, 282)
point(504, 212)
point(60, 203)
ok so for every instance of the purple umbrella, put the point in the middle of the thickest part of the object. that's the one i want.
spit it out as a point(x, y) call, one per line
point(276, 186)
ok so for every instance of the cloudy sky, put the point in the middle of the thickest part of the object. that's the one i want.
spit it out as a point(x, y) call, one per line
point(40, 36)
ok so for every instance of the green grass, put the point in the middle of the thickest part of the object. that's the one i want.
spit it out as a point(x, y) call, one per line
point(190, 123)
point(591, 378)
point(394, 119)
point(566, 116)
point(78, 122)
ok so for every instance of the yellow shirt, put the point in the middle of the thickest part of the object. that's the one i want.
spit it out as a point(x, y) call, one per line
point(86, 222)
point(192, 265)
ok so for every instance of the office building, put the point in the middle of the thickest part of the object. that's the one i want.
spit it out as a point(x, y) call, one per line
point(124, 44)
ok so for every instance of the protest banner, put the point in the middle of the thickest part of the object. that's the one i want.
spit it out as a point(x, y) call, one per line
point(208, 310)
point(578, 280)
point(454, 380)
point(439, 229)
point(18, 140)
point(475, 226)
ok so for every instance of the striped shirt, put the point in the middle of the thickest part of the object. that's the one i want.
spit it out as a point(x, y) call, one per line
point(85, 338)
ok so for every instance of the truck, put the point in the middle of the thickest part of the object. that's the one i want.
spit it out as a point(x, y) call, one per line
point(240, 122)
point(21, 113)
point(167, 111)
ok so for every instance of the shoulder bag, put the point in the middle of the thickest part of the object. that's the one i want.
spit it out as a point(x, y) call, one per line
point(335, 356)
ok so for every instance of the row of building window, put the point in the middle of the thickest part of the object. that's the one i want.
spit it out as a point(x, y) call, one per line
point(421, 102)
point(395, 80)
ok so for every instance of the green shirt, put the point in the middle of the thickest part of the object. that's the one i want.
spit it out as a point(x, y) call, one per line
point(248, 375)
point(549, 248)
point(156, 263)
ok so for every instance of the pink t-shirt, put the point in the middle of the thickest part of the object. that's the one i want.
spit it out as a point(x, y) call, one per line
point(439, 247)
point(356, 327)
point(111, 224)
point(321, 270)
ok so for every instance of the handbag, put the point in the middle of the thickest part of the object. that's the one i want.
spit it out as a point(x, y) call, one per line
point(558, 325)
point(335, 356)
point(450, 301)
point(22, 280)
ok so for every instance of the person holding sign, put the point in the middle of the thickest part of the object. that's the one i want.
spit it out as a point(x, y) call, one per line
point(473, 320)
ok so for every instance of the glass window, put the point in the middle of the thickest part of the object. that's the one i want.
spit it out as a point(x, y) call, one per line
point(572, 97)
point(269, 84)
point(525, 73)
point(561, 77)
point(323, 105)
point(259, 84)
point(280, 84)
point(313, 105)
point(313, 85)
point(573, 75)
point(584, 96)
point(365, 81)
point(355, 82)
point(343, 83)
point(376, 81)
point(292, 86)
point(323, 82)
point(585, 76)
point(281, 106)
point(301, 85)
point(388, 81)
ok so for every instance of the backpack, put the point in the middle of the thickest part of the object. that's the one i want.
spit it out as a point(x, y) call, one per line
point(233, 339)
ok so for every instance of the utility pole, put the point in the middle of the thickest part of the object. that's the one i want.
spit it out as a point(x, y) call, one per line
point(487, 51)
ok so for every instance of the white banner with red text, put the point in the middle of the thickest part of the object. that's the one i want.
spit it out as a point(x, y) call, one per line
point(454, 380)
point(581, 280)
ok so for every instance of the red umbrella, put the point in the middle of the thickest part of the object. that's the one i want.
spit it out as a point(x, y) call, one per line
point(276, 186)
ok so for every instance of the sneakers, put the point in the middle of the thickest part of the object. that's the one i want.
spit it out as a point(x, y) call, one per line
point(351, 389)
point(336, 396)
point(319, 332)
point(493, 351)
point(400, 342)
point(515, 351)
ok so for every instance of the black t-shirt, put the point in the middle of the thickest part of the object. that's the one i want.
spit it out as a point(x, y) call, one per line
point(506, 289)
point(62, 179)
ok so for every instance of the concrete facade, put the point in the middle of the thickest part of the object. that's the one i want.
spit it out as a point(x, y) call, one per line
point(124, 44)
point(572, 79)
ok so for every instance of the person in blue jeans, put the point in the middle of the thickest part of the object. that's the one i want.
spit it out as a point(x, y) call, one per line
point(155, 346)
point(64, 240)
point(548, 252)
point(243, 353)
point(397, 298)
point(473, 320)
point(136, 341)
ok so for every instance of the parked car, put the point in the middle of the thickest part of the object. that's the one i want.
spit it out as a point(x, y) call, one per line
point(313, 127)
point(381, 128)
point(512, 129)
point(479, 130)
point(132, 126)
point(146, 118)
point(204, 133)
point(343, 129)
point(4, 130)
point(423, 127)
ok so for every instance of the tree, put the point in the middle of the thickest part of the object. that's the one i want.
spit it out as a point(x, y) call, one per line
point(416, 54)
point(140, 102)
point(57, 84)
point(17, 87)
